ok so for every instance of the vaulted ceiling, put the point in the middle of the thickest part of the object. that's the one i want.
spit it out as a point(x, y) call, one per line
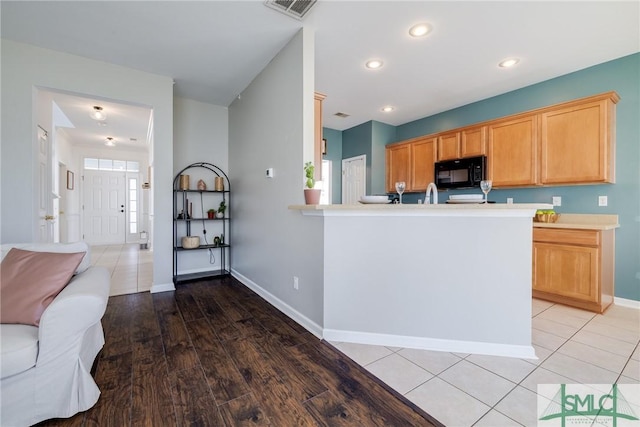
point(213, 49)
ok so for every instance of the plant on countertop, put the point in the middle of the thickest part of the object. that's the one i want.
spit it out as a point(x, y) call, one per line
point(222, 207)
point(308, 172)
point(211, 211)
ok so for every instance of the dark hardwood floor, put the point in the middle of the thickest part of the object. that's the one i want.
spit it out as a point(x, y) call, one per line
point(216, 354)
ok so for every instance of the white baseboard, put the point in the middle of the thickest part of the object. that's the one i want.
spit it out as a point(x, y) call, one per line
point(624, 302)
point(298, 317)
point(452, 346)
point(162, 287)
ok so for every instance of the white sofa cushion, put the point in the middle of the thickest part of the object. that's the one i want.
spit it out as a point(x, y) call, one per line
point(19, 348)
point(56, 248)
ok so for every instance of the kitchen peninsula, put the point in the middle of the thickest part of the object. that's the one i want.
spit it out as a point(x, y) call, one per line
point(440, 277)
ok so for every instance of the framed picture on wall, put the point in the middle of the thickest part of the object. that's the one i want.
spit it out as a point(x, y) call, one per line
point(69, 180)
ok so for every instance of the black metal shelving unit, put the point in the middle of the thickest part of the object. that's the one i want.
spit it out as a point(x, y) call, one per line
point(183, 221)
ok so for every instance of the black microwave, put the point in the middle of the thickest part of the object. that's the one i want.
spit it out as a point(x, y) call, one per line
point(460, 173)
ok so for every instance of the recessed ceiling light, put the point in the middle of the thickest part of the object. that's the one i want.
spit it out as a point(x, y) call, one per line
point(98, 113)
point(509, 62)
point(387, 109)
point(373, 64)
point(110, 142)
point(419, 30)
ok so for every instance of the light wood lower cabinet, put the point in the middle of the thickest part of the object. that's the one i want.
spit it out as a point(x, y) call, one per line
point(574, 267)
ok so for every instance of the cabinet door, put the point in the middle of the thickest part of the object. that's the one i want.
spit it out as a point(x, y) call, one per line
point(398, 163)
point(566, 270)
point(512, 152)
point(473, 142)
point(576, 145)
point(449, 146)
point(423, 157)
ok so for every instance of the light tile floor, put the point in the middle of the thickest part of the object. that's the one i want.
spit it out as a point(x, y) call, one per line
point(573, 346)
point(131, 268)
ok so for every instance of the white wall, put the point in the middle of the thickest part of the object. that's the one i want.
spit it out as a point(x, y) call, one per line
point(271, 126)
point(200, 134)
point(26, 68)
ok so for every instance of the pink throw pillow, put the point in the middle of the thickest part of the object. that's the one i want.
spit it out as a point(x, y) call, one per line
point(29, 281)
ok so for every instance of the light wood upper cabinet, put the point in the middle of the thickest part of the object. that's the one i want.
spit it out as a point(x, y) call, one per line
point(411, 161)
point(423, 157)
point(473, 142)
point(317, 137)
point(512, 151)
point(467, 142)
point(449, 146)
point(577, 143)
point(574, 267)
point(398, 165)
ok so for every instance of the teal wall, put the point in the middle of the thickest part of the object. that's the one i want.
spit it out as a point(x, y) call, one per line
point(356, 142)
point(334, 153)
point(621, 75)
point(382, 134)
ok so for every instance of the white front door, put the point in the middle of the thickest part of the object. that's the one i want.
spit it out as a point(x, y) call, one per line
point(354, 179)
point(104, 207)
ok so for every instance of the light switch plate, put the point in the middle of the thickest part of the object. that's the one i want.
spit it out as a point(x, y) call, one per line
point(556, 201)
point(509, 200)
point(602, 201)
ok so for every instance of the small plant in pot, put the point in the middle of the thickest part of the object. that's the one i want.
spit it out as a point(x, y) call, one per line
point(211, 213)
point(311, 195)
point(221, 209)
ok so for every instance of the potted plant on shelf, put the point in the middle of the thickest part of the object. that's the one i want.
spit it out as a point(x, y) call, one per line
point(221, 209)
point(311, 194)
point(211, 213)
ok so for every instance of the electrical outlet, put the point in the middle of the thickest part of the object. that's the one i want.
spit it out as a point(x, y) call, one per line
point(556, 201)
point(509, 200)
point(602, 201)
point(295, 282)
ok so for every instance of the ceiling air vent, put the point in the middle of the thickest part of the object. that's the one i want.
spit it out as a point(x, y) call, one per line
point(341, 115)
point(294, 8)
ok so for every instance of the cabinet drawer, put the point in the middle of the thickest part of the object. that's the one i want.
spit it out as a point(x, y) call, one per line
point(567, 236)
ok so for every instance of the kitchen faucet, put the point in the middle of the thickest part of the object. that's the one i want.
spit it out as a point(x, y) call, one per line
point(431, 189)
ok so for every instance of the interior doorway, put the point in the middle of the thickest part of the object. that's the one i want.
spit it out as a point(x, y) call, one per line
point(354, 179)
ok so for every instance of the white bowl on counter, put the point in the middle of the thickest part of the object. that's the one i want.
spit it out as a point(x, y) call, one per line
point(374, 199)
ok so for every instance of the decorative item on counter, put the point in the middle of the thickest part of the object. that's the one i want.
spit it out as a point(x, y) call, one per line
point(202, 186)
point(311, 195)
point(216, 241)
point(222, 239)
point(184, 182)
point(181, 214)
point(546, 215)
point(219, 183)
point(221, 209)
point(190, 242)
point(211, 213)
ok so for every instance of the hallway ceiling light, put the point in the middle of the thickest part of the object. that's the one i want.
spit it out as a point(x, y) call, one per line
point(373, 64)
point(110, 142)
point(420, 30)
point(509, 62)
point(98, 113)
point(387, 109)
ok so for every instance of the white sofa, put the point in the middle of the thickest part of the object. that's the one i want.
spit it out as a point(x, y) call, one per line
point(45, 369)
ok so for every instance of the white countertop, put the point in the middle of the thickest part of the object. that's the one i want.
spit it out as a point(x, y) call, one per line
point(582, 222)
point(475, 210)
